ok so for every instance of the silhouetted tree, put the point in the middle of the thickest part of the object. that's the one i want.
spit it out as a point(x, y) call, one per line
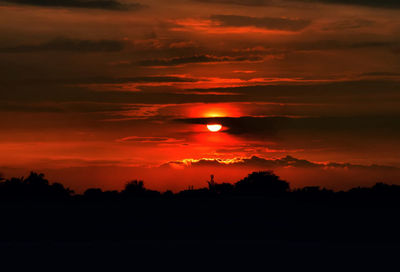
point(59, 191)
point(136, 188)
point(34, 187)
point(12, 188)
point(263, 182)
point(168, 194)
point(386, 189)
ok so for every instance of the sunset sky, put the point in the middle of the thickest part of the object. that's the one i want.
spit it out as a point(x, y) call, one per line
point(97, 92)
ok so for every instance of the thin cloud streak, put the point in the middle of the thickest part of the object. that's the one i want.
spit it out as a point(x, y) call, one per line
point(270, 23)
point(68, 45)
point(368, 3)
point(88, 4)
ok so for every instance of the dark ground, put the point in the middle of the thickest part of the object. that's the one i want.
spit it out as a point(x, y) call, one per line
point(246, 232)
point(256, 224)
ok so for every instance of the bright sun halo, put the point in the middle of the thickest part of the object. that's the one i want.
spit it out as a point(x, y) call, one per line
point(214, 127)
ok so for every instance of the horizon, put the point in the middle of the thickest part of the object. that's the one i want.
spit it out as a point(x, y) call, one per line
point(180, 175)
point(265, 184)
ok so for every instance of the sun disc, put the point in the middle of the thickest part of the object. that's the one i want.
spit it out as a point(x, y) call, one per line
point(214, 127)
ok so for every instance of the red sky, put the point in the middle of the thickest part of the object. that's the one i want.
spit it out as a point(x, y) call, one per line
point(95, 93)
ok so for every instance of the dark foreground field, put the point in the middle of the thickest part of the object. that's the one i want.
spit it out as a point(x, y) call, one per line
point(217, 227)
point(232, 232)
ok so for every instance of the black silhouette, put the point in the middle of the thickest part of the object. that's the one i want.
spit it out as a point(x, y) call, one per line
point(34, 187)
point(262, 183)
point(135, 188)
point(261, 207)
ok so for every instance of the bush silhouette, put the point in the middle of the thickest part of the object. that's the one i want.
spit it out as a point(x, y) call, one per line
point(136, 188)
point(263, 182)
point(34, 187)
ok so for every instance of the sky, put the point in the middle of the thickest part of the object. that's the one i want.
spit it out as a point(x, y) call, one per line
point(97, 92)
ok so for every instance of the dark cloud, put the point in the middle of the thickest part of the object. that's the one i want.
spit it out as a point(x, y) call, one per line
point(264, 22)
point(271, 127)
point(81, 107)
point(60, 93)
point(368, 3)
point(288, 161)
point(197, 59)
point(102, 80)
point(381, 74)
point(277, 49)
point(66, 44)
point(242, 2)
point(150, 79)
point(349, 24)
point(346, 93)
point(354, 92)
point(340, 45)
point(154, 140)
point(396, 50)
point(91, 4)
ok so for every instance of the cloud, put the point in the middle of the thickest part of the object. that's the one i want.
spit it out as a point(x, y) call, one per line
point(106, 80)
point(90, 4)
point(261, 22)
point(155, 140)
point(122, 80)
point(373, 96)
point(66, 44)
point(349, 24)
point(368, 3)
point(354, 92)
point(242, 2)
point(258, 162)
point(197, 59)
point(271, 127)
point(341, 45)
point(380, 74)
point(396, 50)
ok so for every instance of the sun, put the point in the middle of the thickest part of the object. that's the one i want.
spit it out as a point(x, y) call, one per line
point(214, 127)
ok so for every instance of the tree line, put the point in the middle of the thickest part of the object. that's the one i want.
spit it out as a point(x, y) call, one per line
point(36, 187)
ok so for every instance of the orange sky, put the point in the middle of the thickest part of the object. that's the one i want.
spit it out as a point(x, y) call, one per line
point(131, 86)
